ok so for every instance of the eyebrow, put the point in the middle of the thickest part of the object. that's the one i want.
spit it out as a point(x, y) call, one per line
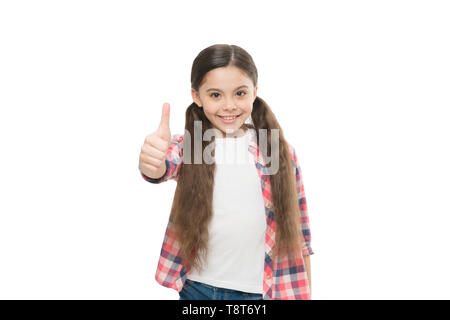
point(214, 89)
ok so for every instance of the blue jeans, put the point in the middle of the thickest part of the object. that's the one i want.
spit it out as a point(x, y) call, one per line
point(194, 290)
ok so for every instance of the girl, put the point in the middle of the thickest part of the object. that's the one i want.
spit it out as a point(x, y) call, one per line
point(236, 230)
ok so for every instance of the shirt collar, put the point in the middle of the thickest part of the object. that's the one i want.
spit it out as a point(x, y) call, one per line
point(253, 147)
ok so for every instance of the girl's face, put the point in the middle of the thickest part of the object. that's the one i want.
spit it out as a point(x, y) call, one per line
point(226, 92)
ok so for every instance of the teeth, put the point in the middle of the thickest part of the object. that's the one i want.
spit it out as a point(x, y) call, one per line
point(228, 118)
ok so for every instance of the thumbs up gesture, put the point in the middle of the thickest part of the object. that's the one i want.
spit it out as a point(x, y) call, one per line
point(153, 151)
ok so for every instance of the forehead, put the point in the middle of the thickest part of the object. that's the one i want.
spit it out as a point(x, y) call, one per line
point(225, 78)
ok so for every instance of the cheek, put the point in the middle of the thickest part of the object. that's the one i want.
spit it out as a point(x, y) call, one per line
point(210, 114)
point(210, 111)
point(246, 105)
point(247, 109)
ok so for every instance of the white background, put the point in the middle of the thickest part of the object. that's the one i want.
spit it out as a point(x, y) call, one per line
point(360, 88)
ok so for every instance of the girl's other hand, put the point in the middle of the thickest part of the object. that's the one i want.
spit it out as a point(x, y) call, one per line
point(153, 151)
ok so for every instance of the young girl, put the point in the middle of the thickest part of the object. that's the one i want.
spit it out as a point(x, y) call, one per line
point(237, 230)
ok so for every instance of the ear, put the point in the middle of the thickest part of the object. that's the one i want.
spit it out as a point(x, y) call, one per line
point(195, 97)
point(255, 93)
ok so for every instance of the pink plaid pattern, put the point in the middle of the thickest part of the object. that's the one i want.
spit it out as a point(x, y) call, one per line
point(284, 278)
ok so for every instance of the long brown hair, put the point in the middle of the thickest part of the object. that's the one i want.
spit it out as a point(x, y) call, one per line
point(192, 206)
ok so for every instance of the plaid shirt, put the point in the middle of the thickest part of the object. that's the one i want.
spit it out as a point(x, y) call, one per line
point(284, 278)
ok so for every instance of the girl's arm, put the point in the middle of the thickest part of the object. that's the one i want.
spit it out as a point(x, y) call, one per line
point(304, 217)
point(308, 272)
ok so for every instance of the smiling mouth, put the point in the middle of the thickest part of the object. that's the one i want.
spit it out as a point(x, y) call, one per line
point(229, 117)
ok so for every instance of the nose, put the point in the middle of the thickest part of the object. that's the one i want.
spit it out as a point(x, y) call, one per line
point(229, 106)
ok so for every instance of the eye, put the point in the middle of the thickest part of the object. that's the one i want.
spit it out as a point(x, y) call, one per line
point(213, 94)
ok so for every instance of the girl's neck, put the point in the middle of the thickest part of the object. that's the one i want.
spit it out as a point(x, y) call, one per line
point(237, 134)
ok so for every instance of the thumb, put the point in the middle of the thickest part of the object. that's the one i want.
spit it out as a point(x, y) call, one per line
point(164, 126)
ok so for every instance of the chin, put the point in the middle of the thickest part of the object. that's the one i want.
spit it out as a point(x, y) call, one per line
point(232, 129)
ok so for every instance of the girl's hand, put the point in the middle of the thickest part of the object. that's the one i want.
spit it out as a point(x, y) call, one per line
point(153, 152)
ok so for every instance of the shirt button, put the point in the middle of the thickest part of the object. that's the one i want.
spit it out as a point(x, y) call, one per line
point(268, 276)
point(270, 206)
point(271, 254)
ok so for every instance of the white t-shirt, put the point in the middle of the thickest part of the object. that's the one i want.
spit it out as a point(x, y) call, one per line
point(238, 226)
